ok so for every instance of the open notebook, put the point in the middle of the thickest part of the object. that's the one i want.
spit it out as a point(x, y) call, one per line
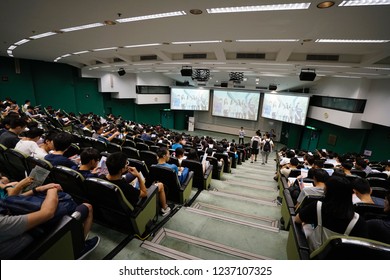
point(39, 174)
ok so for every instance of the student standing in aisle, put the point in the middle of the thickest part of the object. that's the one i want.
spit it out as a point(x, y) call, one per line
point(241, 135)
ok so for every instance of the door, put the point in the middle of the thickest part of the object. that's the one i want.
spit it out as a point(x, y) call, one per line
point(167, 118)
point(310, 139)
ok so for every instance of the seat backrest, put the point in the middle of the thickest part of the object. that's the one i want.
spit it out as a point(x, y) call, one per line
point(34, 161)
point(140, 165)
point(154, 148)
point(72, 150)
point(3, 160)
point(113, 148)
point(370, 211)
point(99, 145)
point(148, 157)
point(131, 152)
point(341, 247)
point(142, 146)
point(377, 175)
point(110, 206)
point(379, 182)
point(217, 170)
point(359, 173)
point(168, 177)
point(233, 159)
point(173, 160)
point(197, 167)
point(225, 158)
point(71, 182)
point(17, 164)
point(149, 142)
point(294, 173)
point(128, 143)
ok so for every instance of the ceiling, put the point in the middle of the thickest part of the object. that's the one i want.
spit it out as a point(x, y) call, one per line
point(151, 45)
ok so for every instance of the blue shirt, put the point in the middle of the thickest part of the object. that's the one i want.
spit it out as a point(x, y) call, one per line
point(60, 160)
point(177, 145)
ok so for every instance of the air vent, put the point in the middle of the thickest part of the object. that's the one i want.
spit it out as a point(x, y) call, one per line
point(194, 55)
point(117, 59)
point(239, 86)
point(148, 57)
point(261, 87)
point(322, 57)
point(250, 55)
point(98, 62)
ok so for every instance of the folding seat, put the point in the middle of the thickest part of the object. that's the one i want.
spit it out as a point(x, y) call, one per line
point(294, 173)
point(174, 190)
point(142, 146)
point(17, 164)
point(113, 148)
point(112, 209)
point(129, 143)
point(138, 140)
point(3, 161)
point(217, 168)
point(370, 211)
point(359, 173)
point(140, 166)
point(201, 181)
point(98, 145)
point(377, 175)
point(227, 164)
point(131, 152)
point(87, 133)
point(149, 142)
point(73, 150)
point(379, 186)
point(118, 141)
point(34, 161)
point(233, 159)
point(148, 157)
point(154, 148)
point(71, 181)
point(174, 160)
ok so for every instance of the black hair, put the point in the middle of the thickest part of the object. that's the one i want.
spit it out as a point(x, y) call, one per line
point(115, 162)
point(162, 152)
point(89, 154)
point(34, 132)
point(193, 154)
point(320, 175)
point(338, 198)
point(347, 165)
point(62, 141)
point(17, 122)
point(294, 161)
point(179, 152)
point(361, 185)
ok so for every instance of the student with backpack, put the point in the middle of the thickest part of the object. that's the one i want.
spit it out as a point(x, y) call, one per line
point(255, 144)
point(266, 148)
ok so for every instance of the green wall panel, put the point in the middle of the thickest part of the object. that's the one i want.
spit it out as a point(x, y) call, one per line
point(379, 142)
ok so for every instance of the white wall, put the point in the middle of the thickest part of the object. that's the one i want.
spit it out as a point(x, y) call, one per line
point(342, 87)
point(378, 104)
point(153, 99)
point(153, 79)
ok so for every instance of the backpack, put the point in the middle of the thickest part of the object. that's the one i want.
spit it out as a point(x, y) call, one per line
point(255, 144)
point(267, 146)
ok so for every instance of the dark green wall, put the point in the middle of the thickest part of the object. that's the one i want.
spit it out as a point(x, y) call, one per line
point(379, 142)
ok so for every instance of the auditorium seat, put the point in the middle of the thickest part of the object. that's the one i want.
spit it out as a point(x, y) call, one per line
point(359, 173)
point(201, 181)
point(227, 164)
point(174, 190)
point(217, 169)
point(111, 208)
point(131, 152)
point(148, 157)
point(17, 164)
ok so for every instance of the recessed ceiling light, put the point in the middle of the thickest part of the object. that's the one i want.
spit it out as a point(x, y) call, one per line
point(143, 45)
point(276, 7)
point(155, 16)
point(81, 52)
point(364, 3)
point(81, 27)
point(196, 42)
point(267, 40)
point(351, 41)
point(105, 49)
point(196, 12)
point(325, 4)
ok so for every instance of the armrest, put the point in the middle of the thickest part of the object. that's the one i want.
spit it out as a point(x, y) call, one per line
point(64, 241)
point(188, 180)
point(300, 239)
point(208, 172)
point(142, 202)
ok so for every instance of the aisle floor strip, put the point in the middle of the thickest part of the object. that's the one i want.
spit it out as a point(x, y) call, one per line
point(263, 201)
point(164, 232)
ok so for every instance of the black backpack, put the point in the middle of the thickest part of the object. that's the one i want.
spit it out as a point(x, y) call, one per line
point(255, 144)
point(267, 146)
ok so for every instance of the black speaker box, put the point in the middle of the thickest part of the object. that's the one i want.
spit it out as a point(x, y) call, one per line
point(307, 76)
point(121, 72)
point(186, 72)
point(272, 87)
point(224, 84)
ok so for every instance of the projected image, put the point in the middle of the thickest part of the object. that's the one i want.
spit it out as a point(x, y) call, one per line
point(236, 104)
point(190, 99)
point(286, 108)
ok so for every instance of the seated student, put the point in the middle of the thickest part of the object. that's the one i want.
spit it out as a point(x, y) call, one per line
point(379, 229)
point(14, 236)
point(286, 169)
point(28, 144)
point(346, 167)
point(387, 169)
point(178, 142)
point(362, 192)
point(89, 163)
point(47, 145)
point(11, 137)
point(361, 164)
point(117, 166)
point(193, 155)
point(179, 154)
point(318, 164)
point(337, 209)
point(104, 136)
point(320, 176)
point(61, 142)
point(163, 158)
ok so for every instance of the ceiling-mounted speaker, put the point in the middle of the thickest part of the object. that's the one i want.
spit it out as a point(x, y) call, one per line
point(307, 76)
point(272, 87)
point(121, 72)
point(186, 72)
point(224, 84)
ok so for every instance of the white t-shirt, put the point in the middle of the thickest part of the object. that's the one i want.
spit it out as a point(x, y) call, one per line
point(30, 148)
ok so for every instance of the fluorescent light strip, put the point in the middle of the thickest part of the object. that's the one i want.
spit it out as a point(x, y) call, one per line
point(341, 76)
point(58, 58)
point(81, 27)
point(377, 68)
point(155, 16)
point(12, 47)
point(21, 42)
point(196, 42)
point(65, 55)
point(182, 62)
point(47, 34)
point(260, 8)
point(81, 52)
point(267, 40)
point(9, 53)
point(327, 66)
point(364, 3)
point(105, 49)
point(358, 73)
point(143, 45)
point(351, 41)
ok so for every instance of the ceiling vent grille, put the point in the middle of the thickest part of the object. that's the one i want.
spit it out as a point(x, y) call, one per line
point(148, 57)
point(194, 55)
point(250, 55)
point(322, 57)
point(117, 59)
